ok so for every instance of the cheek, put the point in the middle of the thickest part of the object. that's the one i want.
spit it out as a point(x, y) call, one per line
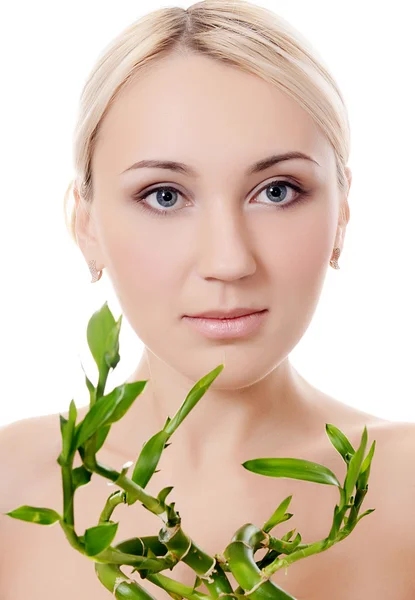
point(146, 268)
point(296, 267)
point(143, 265)
point(301, 255)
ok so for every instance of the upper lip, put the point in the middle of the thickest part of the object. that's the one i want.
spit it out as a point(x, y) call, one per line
point(223, 314)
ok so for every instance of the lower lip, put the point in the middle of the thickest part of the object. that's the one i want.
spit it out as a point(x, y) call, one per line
point(228, 328)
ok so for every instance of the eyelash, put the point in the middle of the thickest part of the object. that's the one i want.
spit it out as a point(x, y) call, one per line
point(140, 197)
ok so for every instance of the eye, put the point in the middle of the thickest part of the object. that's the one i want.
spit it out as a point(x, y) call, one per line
point(166, 197)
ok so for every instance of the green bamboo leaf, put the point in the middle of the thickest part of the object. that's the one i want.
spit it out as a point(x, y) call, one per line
point(33, 514)
point(67, 427)
point(89, 385)
point(108, 409)
point(62, 458)
point(98, 538)
point(98, 415)
point(72, 413)
point(337, 521)
point(367, 512)
point(293, 468)
point(355, 466)
point(193, 397)
point(278, 516)
point(102, 436)
point(112, 356)
point(149, 458)
point(164, 493)
point(102, 337)
point(80, 476)
point(131, 392)
point(343, 498)
point(339, 441)
point(288, 535)
point(365, 470)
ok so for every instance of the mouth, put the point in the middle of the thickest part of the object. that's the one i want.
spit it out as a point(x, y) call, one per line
point(224, 328)
point(228, 315)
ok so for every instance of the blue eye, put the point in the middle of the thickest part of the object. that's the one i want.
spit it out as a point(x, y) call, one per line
point(167, 196)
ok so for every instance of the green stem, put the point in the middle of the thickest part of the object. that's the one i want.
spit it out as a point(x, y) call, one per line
point(90, 445)
point(301, 552)
point(360, 496)
point(304, 550)
point(109, 575)
point(283, 547)
point(72, 538)
point(170, 585)
point(68, 494)
point(113, 556)
point(139, 545)
point(119, 584)
point(114, 499)
point(240, 556)
point(135, 491)
point(208, 568)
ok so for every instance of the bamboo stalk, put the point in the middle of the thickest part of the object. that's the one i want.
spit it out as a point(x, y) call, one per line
point(149, 555)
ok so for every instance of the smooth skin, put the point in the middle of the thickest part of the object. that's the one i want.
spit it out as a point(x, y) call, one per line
point(225, 242)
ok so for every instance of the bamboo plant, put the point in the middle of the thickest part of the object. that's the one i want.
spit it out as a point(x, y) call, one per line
point(151, 555)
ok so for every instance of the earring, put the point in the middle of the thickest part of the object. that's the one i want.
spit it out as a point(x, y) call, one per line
point(333, 261)
point(96, 275)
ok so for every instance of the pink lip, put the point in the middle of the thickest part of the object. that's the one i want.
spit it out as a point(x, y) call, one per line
point(228, 328)
point(232, 314)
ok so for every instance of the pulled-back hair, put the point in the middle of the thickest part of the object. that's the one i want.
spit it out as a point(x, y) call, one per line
point(234, 32)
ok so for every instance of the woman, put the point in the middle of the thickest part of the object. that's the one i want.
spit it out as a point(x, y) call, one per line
point(211, 154)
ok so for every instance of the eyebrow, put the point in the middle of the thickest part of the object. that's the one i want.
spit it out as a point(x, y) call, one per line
point(257, 167)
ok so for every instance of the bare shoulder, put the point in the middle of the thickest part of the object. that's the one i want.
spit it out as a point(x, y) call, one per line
point(29, 473)
point(393, 467)
point(397, 436)
point(352, 422)
point(20, 439)
point(396, 468)
point(395, 441)
point(28, 449)
point(401, 432)
point(399, 441)
point(31, 476)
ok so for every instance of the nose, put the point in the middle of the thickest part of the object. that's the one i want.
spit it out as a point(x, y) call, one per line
point(224, 249)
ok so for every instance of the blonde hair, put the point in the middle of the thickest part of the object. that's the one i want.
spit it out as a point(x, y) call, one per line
point(234, 32)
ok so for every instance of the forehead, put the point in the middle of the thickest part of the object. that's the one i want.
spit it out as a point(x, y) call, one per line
point(193, 107)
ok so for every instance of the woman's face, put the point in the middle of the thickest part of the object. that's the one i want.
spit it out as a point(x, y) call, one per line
point(220, 237)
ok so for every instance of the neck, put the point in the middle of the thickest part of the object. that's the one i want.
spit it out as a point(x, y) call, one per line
point(278, 412)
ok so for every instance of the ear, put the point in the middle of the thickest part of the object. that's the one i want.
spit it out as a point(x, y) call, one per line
point(85, 230)
point(344, 213)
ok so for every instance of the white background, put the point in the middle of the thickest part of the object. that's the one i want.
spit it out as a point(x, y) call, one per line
point(360, 345)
